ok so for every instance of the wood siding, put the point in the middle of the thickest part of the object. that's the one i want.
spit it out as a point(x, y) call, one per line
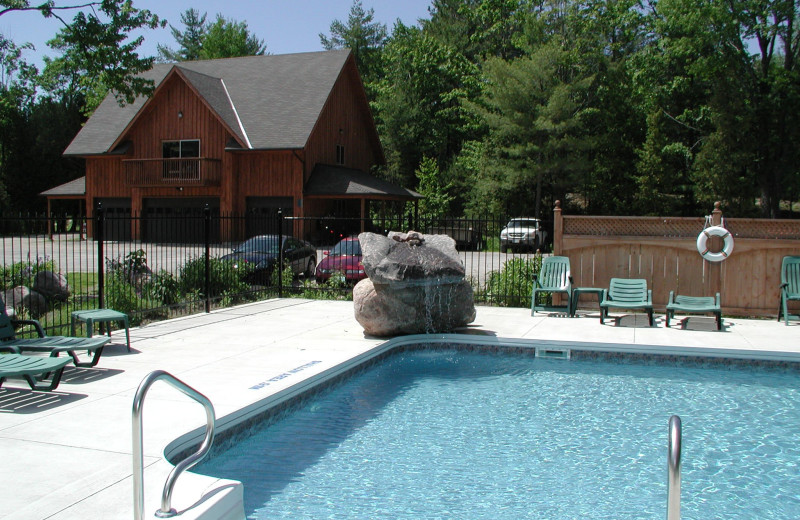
point(161, 122)
point(663, 250)
point(347, 121)
point(177, 112)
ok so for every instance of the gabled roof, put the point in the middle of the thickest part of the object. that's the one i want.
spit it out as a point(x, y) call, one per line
point(268, 102)
point(341, 182)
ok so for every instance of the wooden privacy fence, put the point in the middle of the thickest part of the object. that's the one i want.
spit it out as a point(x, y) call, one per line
point(663, 250)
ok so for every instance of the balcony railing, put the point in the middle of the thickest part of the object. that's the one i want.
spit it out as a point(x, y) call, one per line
point(194, 171)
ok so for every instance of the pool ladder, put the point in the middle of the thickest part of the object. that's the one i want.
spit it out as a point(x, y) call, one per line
point(674, 469)
point(166, 510)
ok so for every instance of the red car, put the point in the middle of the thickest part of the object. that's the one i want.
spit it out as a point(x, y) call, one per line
point(345, 258)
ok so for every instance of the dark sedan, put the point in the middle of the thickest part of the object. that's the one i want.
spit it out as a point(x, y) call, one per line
point(344, 258)
point(260, 254)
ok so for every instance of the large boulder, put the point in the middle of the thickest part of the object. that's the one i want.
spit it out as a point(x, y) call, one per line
point(52, 286)
point(415, 284)
point(22, 298)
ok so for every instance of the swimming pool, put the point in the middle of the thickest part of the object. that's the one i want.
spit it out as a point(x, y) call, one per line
point(452, 434)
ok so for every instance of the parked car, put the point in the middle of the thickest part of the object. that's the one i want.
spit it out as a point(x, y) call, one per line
point(345, 258)
point(467, 235)
point(260, 254)
point(522, 233)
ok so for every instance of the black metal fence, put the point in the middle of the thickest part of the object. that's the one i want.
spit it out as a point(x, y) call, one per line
point(157, 266)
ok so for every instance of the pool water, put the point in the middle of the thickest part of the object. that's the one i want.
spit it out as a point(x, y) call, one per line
point(445, 434)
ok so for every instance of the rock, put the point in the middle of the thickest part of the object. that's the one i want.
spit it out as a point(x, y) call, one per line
point(415, 284)
point(52, 286)
point(22, 298)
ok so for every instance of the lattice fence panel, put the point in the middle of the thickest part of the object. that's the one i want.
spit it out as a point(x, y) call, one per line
point(633, 226)
point(678, 227)
point(763, 228)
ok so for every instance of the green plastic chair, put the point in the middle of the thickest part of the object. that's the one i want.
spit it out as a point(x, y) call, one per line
point(554, 277)
point(790, 287)
point(33, 369)
point(694, 305)
point(628, 294)
point(53, 345)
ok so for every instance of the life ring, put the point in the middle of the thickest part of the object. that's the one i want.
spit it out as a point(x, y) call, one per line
point(715, 231)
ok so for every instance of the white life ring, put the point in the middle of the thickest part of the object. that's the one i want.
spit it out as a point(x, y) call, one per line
point(715, 231)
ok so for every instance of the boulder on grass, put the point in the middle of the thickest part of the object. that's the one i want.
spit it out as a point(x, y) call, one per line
point(52, 286)
point(25, 301)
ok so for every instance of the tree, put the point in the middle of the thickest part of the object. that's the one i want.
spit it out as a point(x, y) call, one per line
point(420, 107)
point(536, 109)
point(432, 186)
point(97, 46)
point(363, 36)
point(190, 40)
point(202, 41)
point(230, 39)
point(479, 29)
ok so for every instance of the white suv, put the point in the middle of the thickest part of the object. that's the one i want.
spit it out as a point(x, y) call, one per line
point(522, 233)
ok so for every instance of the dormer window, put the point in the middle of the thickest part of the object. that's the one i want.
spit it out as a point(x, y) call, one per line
point(339, 154)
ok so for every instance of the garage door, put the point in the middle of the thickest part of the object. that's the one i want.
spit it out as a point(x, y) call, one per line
point(178, 220)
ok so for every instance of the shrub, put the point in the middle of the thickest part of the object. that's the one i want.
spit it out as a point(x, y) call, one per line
point(132, 268)
point(511, 286)
point(24, 272)
point(223, 278)
point(163, 287)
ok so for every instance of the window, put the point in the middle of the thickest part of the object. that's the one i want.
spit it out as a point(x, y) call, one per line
point(339, 154)
point(175, 153)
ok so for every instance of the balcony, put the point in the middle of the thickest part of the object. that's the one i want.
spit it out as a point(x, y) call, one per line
point(194, 171)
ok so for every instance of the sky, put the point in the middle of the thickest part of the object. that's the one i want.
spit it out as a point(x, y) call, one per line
point(286, 26)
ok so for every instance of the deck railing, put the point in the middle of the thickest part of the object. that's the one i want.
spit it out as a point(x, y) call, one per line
point(195, 171)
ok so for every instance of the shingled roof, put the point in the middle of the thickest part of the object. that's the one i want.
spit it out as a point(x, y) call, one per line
point(269, 102)
point(327, 180)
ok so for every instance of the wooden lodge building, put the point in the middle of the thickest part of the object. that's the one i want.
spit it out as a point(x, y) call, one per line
point(245, 136)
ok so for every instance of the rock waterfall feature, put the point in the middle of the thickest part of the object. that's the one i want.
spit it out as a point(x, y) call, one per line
point(415, 284)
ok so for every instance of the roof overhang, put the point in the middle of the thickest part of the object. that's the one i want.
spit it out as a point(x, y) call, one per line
point(338, 182)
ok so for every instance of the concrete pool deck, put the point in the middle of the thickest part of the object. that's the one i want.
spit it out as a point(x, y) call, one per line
point(68, 454)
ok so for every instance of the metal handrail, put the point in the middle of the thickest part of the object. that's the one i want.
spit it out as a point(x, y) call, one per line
point(166, 510)
point(674, 469)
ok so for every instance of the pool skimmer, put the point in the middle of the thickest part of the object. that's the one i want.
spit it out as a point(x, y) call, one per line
point(553, 353)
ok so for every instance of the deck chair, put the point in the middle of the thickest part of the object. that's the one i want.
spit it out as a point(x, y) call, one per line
point(29, 367)
point(628, 294)
point(694, 305)
point(554, 277)
point(53, 345)
point(790, 287)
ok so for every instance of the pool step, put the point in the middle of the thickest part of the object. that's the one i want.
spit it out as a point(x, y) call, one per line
point(553, 353)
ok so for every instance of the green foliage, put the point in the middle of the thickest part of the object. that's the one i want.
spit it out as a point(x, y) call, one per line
point(286, 277)
point(421, 100)
point(24, 272)
point(432, 186)
point(163, 287)
point(512, 285)
point(190, 40)
point(364, 37)
point(206, 41)
point(98, 53)
point(132, 268)
point(120, 294)
point(230, 39)
point(223, 278)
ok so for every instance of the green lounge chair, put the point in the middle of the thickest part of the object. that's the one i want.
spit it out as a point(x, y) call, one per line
point(554, 277)
point(694, 305)
point(790, 287)
point(29, 367)
point(628, 294)
point(53, 345)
